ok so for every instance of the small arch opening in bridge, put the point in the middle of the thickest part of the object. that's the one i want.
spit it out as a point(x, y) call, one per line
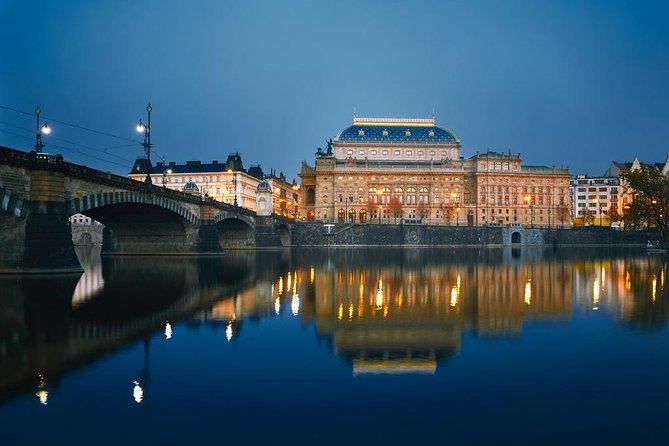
point(515, 238)
point(235, 233)
point(284, 234)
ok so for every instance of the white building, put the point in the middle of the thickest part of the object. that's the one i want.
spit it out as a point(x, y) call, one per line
point(227, 182)
point(599, 195)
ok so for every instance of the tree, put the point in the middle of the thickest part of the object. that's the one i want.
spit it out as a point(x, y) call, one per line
point(588, 217)
point(650, 199)
point(562, 213)
point(372, 208)
point(613, 214)
point(395, 208)
point(422, 210)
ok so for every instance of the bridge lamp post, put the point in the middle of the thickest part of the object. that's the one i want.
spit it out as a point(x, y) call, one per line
point(165, 173)
point(39, 131)
point(146, 129)
point(234, 183)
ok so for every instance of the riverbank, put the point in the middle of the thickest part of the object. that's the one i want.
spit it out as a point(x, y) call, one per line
point(347, 234)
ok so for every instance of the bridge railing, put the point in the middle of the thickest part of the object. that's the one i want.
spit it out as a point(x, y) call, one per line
point(34, 160)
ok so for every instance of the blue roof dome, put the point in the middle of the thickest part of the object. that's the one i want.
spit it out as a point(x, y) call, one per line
point(381, 130)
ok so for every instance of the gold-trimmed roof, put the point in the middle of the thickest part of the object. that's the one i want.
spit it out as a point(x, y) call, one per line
point(395, 122)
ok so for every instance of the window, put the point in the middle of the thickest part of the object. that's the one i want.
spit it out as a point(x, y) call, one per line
point(409, 152)
point(361, 132)
point(372, 152)
point(385, 152)
point(349, 152)
point(397, 152)
point(384, 132)
point(420, 153)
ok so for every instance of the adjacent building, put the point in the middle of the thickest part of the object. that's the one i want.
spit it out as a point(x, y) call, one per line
point(227, 182)
point(387, 170)
point(607, 196)
point(599, 197)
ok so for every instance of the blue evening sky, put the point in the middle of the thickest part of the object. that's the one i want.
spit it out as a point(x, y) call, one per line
point(579, 83)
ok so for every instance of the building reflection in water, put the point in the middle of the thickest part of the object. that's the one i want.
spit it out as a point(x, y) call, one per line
point(406, 313)
point(381, 311)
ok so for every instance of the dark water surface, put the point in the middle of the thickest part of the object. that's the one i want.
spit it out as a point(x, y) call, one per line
point(342, 346)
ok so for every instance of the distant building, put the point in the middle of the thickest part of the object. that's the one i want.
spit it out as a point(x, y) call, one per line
point(598, 196)
point(384, 170)
point(606, 194)
point(227, 182)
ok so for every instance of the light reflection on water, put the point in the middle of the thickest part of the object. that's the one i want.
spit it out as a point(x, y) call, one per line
point(398, 313)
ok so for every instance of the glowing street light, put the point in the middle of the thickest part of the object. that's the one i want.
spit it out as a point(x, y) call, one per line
point(527, 202)
point(146, 129)
point(39, 131)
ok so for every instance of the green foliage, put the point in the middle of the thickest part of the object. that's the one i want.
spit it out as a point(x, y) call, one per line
point(650, 200)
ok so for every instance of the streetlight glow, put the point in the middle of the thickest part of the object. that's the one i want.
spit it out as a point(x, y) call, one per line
point(45, 129)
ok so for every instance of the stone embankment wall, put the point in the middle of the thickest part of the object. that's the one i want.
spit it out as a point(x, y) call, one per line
point(346, 234)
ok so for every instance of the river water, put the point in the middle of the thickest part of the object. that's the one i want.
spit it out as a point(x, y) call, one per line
point(340, 346)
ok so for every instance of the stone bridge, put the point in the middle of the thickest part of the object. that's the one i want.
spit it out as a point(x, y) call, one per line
point(38, 192)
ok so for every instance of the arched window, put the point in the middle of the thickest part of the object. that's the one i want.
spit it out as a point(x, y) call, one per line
point(311, 196)
point(363, 215)
point(341, 215)
point(351, 215)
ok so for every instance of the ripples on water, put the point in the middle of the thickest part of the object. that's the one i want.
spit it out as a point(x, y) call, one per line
point(343, 345)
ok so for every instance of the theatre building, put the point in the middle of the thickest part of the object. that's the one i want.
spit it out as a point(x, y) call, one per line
point(388, 171)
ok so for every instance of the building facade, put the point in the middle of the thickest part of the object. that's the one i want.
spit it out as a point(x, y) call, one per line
point(387, 170)
point(227, 182)
point(598, 197)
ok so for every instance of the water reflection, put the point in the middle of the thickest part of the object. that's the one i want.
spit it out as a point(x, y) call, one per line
point(381, 311)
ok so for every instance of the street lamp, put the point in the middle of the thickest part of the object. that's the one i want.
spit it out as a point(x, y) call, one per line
point(378, 200)
point(146, 129)
point(234, 184)
point(295, 188)
point(165, 172)
point(527, 202)
point(39, 131)
point(454, 199)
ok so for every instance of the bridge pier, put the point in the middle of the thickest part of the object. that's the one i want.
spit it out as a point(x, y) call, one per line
point(208, 238)
point(41, 240)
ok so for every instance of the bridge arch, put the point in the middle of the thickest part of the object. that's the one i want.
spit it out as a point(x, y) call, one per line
point(284, 231)
point(225, 215)
point(80, 205)
point(235, 230)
